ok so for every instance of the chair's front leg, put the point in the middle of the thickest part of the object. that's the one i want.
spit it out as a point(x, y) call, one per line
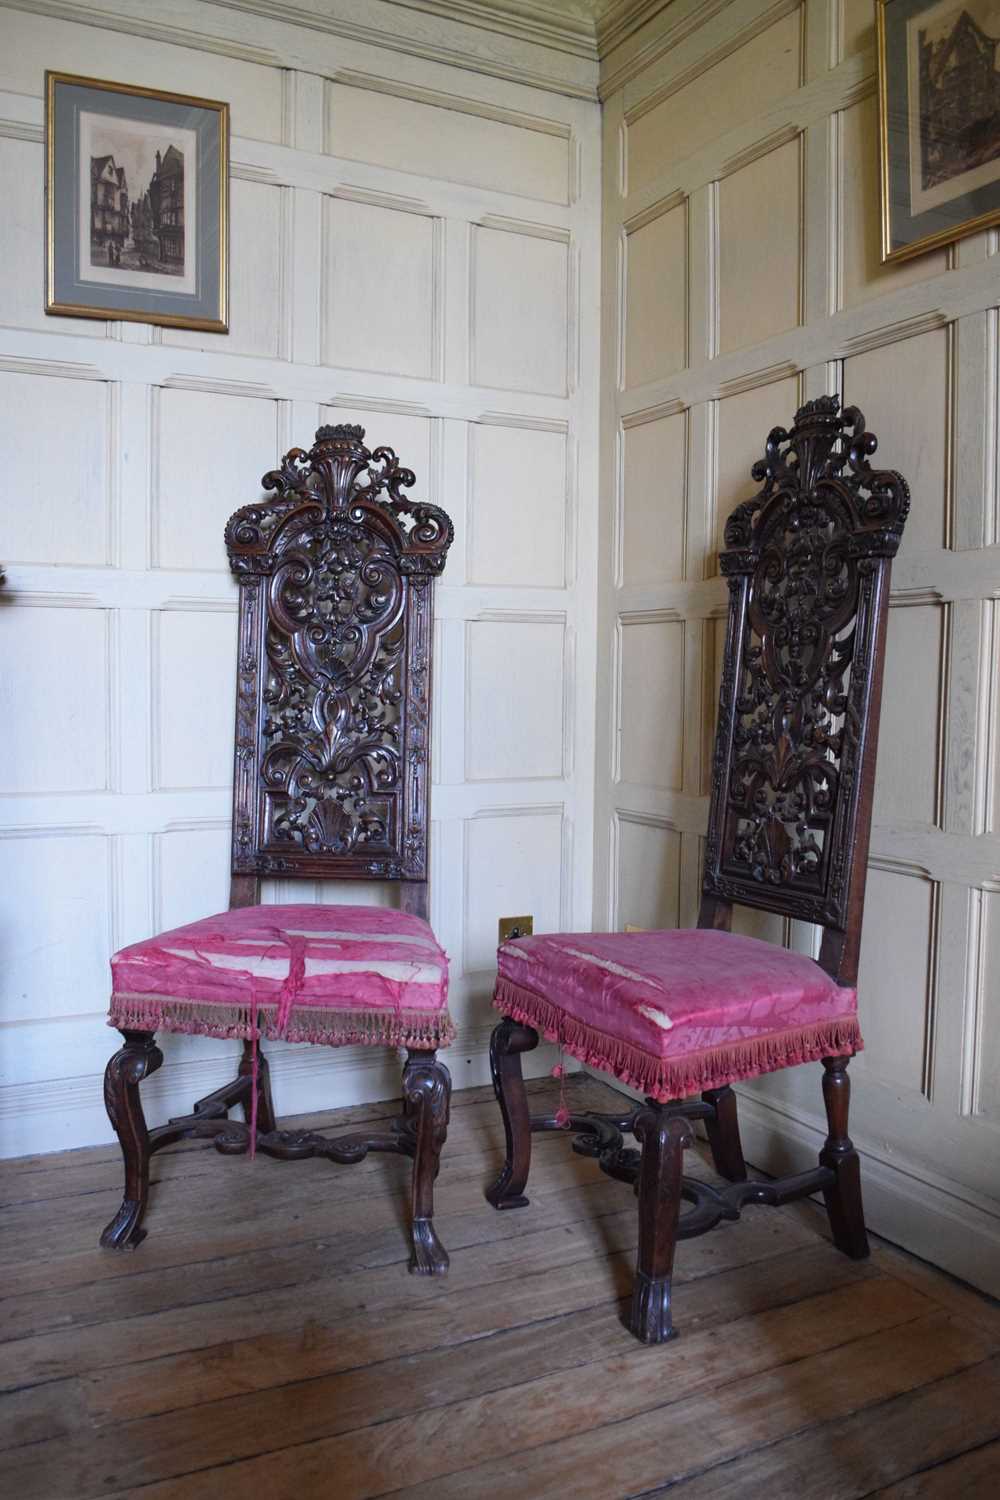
point(139, 1057)
point(663, 1138)
point(508, 1041)
point(266, 1121)
point(843, 1198)
point(426, 1100)
point(723, 1131)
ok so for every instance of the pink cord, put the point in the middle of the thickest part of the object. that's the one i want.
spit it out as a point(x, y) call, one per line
point(254, 1067)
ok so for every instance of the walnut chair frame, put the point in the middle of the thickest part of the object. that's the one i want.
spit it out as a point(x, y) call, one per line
point(807, 563)
point(332, 776)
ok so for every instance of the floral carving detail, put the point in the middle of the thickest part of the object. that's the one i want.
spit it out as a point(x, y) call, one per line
point(803, 559)
point(335, 600)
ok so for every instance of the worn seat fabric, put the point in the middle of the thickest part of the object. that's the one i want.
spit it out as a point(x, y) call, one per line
point(673, 1013)
point(338, 975)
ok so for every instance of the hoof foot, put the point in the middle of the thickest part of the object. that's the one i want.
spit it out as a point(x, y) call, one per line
point(500, 1196)
point(518, 1201)
point(124, 1231)
point(651, 1315)
point(428, 1256)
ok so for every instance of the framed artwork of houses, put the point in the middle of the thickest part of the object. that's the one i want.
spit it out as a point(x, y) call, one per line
point(137, 185)
point(939, 121)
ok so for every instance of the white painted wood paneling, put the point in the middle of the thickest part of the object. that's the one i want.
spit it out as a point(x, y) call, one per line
point(58, 509)
point(655, 300)
point(520, 311)
point(205, 447)
point(514, 693)
point(652, 690)
point(379, 288)
point(517, 535)
point(648, 866)
point(57, 664)
point(651, 515)
point(522, 849)
point(760, 248)
point(467, 144)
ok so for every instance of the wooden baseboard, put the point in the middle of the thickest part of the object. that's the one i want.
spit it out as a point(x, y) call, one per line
point(60, 1114)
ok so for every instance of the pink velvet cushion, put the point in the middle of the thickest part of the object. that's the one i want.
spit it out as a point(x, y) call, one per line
point(676, 1012)
point(333, 974)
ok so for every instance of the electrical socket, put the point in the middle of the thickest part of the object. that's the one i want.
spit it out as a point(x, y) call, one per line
point(514, 927)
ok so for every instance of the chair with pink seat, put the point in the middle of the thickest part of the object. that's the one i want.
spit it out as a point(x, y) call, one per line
point(686, 1013)
point(332, 777)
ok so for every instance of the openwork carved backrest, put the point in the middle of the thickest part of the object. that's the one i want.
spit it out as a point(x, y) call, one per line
point(807, 561)
point(336, 576)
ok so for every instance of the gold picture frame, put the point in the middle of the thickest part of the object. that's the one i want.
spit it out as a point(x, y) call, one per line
point(136, 204)
point(938, 122)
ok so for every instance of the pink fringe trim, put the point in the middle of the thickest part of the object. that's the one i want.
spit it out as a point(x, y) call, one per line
point(665, 1079)
point(331, 1028)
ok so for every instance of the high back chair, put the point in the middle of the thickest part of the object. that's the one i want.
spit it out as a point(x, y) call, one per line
point(681, 1013)
point(331, 781)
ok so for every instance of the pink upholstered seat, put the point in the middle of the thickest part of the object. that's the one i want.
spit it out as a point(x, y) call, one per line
point(333, 974)
point(673, 1013)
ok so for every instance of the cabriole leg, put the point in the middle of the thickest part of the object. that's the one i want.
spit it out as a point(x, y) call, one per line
point(266, 1121)
point(139, 1057)
point(843, 1198)
point(426, 1099)
point(508, 1041)
point(724, 1134)
point(663, 1139)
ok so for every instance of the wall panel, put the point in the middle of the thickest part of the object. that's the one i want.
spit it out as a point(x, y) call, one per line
point(656, 298)
point(523, 851)
point(514, 695)
point(56, 934)
point(211, 451)
point(652, 686)
point(760, 244)
point(380, 293)
point(465, 145)
point(651, 516)
point(648, 855)
point(55, 694)
point(518, 506)
point(59, 511)
point(520, 331)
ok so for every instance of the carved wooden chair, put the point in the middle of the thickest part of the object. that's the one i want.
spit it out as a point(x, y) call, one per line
point(332, 781)
point(678, 1013)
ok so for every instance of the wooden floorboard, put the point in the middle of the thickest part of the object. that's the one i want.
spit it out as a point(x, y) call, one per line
point(267, 1340)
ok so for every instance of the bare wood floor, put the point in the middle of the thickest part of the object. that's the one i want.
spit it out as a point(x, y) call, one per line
point(266, 1340)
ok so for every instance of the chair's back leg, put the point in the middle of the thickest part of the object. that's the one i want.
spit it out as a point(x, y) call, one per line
point(843, 1198)
point(723, 1129)
point(139, 1057)
point(508, 1041)
point(663, 1139)
point(426, 1100)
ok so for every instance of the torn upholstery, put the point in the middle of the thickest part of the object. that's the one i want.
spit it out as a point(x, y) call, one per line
point(338, 975)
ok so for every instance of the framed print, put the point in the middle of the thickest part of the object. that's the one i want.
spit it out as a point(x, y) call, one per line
point(137, 189)
point(939, 121)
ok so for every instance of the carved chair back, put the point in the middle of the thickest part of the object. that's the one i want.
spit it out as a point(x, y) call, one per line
point(336, 574)
point(807, 561)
